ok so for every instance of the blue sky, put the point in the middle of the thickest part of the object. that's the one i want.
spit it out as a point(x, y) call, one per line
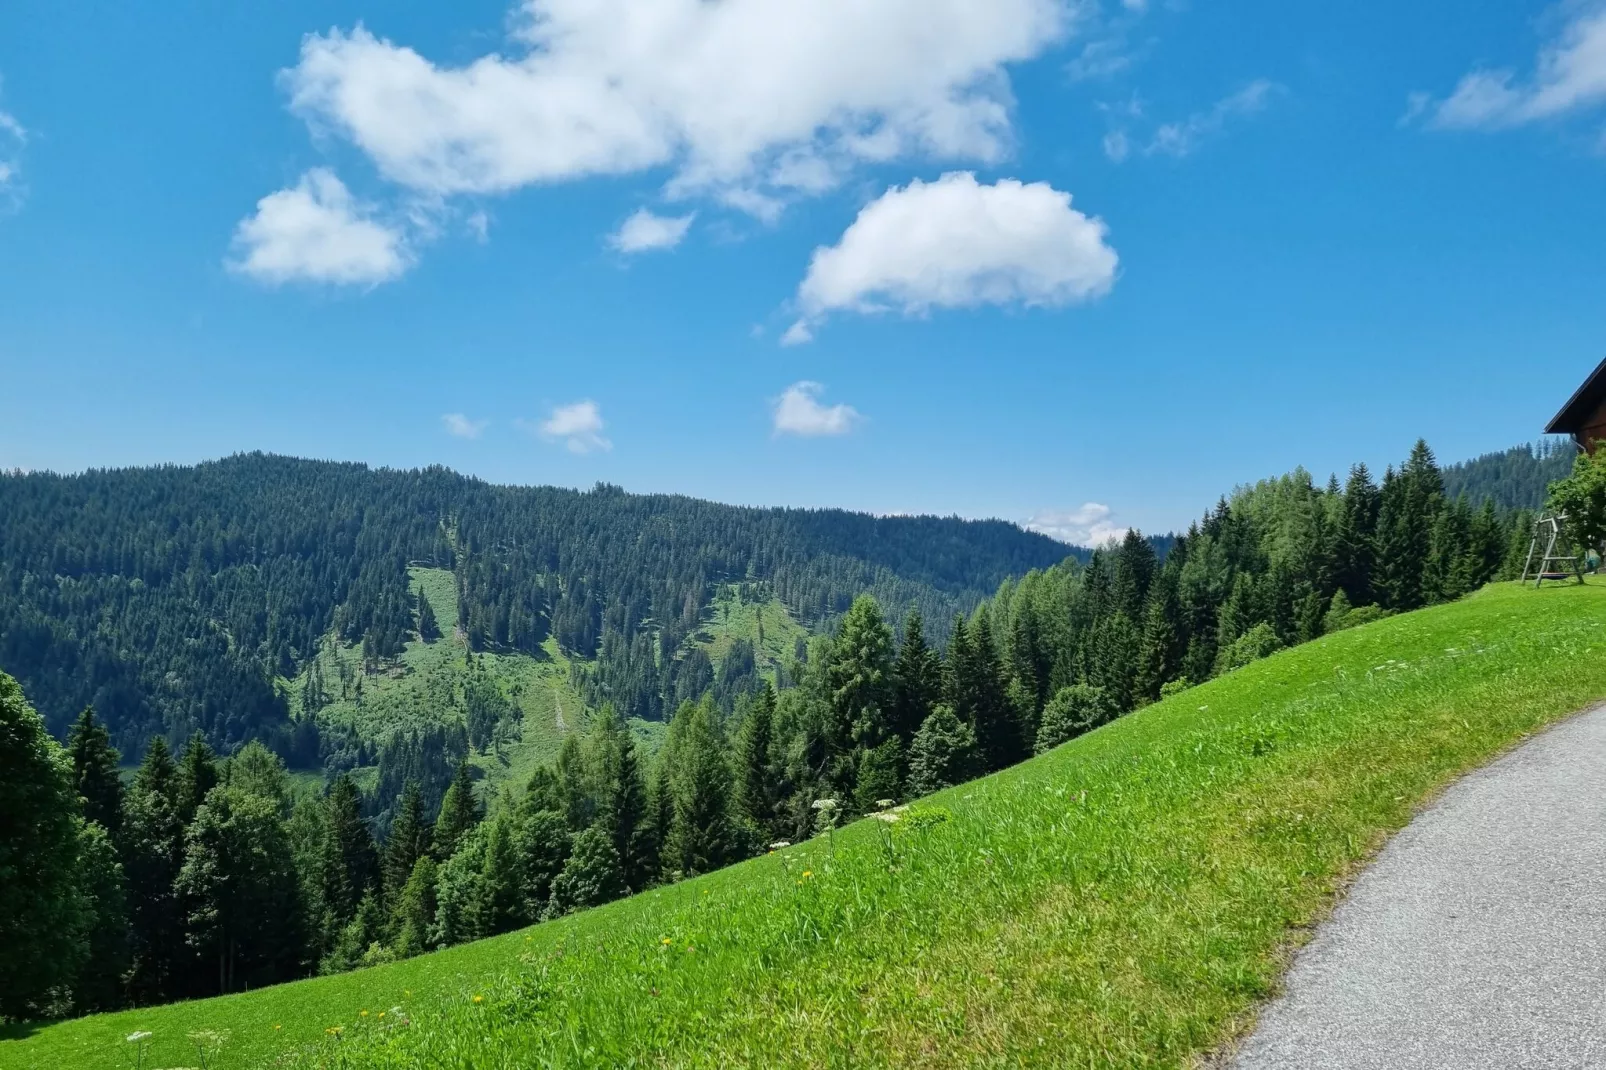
point(1029, 258)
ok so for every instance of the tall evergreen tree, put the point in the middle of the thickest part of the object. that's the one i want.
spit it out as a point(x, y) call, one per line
point(1162, 647)
point(943, 753)
point(460, 812)
point(979, 697)
point(700, 837)
point(756, 774)
point(408, 841)
point(916, 680)
point(352, 846)
point(415, 909)
point(860, 677)
point(95, 773)
point(1355, 544)
point(622, 799)
point(99, 984)
point(42, 909)
point(153, 852)
point(428, 629)
point(197, 776)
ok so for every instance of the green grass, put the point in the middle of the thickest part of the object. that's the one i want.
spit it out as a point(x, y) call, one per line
point(767, 625)
point(1125, 900)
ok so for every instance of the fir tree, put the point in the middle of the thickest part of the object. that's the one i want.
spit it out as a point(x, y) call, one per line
point(428, 629)
point(541, 847)
point(860, 677)
point(1113, 657)
point(99, 984)
point(352, 845)
point(981, 701)
point(590, 877)
point(622, 799)
point(1355, 543)
point(1162, 647)
point(95, 774)
point(880, 775)
point(501, 902)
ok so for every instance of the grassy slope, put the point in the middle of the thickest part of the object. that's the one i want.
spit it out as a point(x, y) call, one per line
point(1124, 900)
point(427, 685)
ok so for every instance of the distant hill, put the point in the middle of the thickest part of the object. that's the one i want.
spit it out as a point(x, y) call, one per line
point(189, 598)
point(1516, 478)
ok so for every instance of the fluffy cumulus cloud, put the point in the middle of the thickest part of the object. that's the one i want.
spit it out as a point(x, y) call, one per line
point(1569, 76)
point(578, 426)
point(957, 243)
point(645, 232)
point(1089, 524)
point(798, 411)
point(752, 100)
point(318, 232)
point(462, 427)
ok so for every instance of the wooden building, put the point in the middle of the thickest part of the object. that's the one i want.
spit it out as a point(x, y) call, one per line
point(1584, 416)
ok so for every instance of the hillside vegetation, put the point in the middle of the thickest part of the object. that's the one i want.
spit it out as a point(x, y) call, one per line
point(1124, 899)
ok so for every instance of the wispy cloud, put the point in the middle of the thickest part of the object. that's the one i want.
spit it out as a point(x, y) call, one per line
point(578, 426)
point(645, 232)
point(798, 412)
point(461, 426)
point(1569, 76)
point(13, 136)
point(1181, 138)
point(1089, 524)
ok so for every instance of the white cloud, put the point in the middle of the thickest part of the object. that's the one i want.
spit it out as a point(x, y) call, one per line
point(1116, 145)
point(798, 412)
point(755, 101)
point(646, 232)
point(1087, 525)
point(13, 136)
point(1182, 137)
point(461, 426)
point(578, 426)
point(1569, 75)
point(956, 243)
point(318, 232)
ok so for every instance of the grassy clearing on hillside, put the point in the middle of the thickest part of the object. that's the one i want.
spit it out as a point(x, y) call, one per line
point(767, 625)
point(1124, 900)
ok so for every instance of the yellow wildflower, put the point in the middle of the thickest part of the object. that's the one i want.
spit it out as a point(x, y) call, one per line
point(364, 1014)
point(479, 999)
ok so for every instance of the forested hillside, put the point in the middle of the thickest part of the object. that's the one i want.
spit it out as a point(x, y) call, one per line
point(181, 599)
point(1513, 479)
point(207, 875)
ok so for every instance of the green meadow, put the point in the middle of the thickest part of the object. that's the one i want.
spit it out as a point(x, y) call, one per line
point(1125, 900)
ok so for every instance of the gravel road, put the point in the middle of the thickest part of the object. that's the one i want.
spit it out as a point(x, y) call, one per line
point(1476, 939)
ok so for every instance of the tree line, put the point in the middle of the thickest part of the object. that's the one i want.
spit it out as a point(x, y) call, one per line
point(203, 875)
point(175, 599)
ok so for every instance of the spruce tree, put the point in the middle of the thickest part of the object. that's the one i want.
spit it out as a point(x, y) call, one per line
point(99, 984)
point(42, 907)
point(755, 769)
point(1355, 544)
point(980, 698)
point(916, 680)
point(352, 846)
point(460, 812)
point(880, 776)
point(153, 852)
point(860, 677)
point(700, 836)
point(95, 775)
point(1073, 710)
point(428, 629)
point(197, 775)
point(541, 847)
point(1135, 565)
point(414, 916)
point(590, 877)
point(621, 805)
point(1162, 647)
point(1112, 662)
point(501, 902)
point(408, 841)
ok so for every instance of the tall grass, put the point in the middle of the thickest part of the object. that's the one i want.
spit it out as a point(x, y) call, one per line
point(1122, 901)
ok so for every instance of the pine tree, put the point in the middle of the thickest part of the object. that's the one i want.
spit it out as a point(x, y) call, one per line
point(460, 812)
point(860, 677)
point(916, 680)
point(501, 904)
point(943, 753)
point(42, 908)
point(459, 891)
point(1135, 565)
point(99, 984)
point(197, 775)
point(880, 776)
point(1112, 661)
point(407, 843)
point(541, 847)
point(621, 805)
point(95, 774)
point(353, 848)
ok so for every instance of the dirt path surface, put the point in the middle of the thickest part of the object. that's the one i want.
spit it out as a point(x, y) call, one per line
point(1477, 938)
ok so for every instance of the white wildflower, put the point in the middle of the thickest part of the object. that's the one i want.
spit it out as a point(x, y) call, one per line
point(135, 1038)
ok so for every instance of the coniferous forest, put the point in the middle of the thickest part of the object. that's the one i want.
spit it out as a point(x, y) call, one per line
point(162, 606)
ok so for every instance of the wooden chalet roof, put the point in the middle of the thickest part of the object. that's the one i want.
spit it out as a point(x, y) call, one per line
point(1584, 403)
